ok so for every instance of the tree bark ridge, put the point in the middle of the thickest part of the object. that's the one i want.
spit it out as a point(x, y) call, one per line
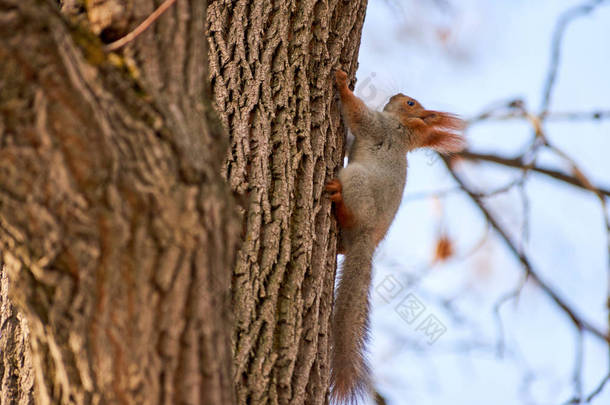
point(117, 232)
point(271, 66)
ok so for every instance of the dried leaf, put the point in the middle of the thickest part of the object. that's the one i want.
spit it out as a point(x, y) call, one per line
point(444, 249)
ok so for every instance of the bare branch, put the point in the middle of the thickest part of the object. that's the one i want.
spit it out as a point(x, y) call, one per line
point(518, 163)
point(113, 46)
point(564, 20)
point(592, 395)
point(514, 293)
point(577, 115)
point(599, 388)
point(578, 321)
point(578, 363)
point(503, 115)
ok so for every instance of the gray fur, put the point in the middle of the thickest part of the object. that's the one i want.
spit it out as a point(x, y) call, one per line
point(372, 186)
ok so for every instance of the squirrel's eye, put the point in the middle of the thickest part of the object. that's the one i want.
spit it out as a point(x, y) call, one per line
point(411, 103)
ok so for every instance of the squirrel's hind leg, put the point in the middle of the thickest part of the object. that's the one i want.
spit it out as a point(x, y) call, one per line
point(342, 212)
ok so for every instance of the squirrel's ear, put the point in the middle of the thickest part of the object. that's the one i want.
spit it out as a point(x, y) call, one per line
point(443, 141)
point(442, 132)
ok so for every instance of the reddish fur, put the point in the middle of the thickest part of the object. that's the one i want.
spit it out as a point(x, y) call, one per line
point(345, 218)
point(436, 130)
point(442, 132)
point(422, 128)
point(432, 129)
point(352, 106)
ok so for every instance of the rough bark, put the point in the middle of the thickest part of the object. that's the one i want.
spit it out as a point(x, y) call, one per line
point(271, 65)
point(16, 373)
point(117, 233)
point(115, 226)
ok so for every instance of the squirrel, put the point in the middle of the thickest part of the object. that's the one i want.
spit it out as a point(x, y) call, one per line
point(366, 195)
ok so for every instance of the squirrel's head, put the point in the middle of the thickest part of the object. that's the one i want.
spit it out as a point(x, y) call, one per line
point(425, 128)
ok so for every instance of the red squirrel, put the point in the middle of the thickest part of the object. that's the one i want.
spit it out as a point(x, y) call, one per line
point(366, 196)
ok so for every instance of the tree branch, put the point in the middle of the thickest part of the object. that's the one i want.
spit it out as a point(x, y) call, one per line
point(562, 23)
point(518, 163)
point(580, 323)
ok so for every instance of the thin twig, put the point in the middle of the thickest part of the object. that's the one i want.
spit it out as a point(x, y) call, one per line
point(577, 115)
point(562, 23)
point(599, 388)
point(580, 323)
point(578, 360)
point(592, 395)
point(423, 195)
point(518, 163)
point(502, 115)
point(113, 46)
point(500, 346)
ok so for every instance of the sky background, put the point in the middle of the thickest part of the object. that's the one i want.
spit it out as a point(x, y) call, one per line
point(464, 56)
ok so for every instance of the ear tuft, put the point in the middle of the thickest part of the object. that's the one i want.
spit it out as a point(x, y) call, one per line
point(444, 142)
point(443, 132)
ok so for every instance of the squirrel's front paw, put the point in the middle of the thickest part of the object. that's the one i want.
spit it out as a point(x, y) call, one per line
point(341, 78)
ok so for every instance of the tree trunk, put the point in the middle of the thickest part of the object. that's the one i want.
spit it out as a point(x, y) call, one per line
point(16, 373)
point(116, 228)
point(272, 66)
point(117, 233)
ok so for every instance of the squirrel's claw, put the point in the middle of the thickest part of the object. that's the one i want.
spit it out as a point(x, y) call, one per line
point(334, 188)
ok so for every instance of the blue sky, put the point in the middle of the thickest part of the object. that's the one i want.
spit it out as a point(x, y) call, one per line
point(463, 60)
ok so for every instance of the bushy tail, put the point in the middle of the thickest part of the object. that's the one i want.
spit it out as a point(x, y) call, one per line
point(350, 378)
